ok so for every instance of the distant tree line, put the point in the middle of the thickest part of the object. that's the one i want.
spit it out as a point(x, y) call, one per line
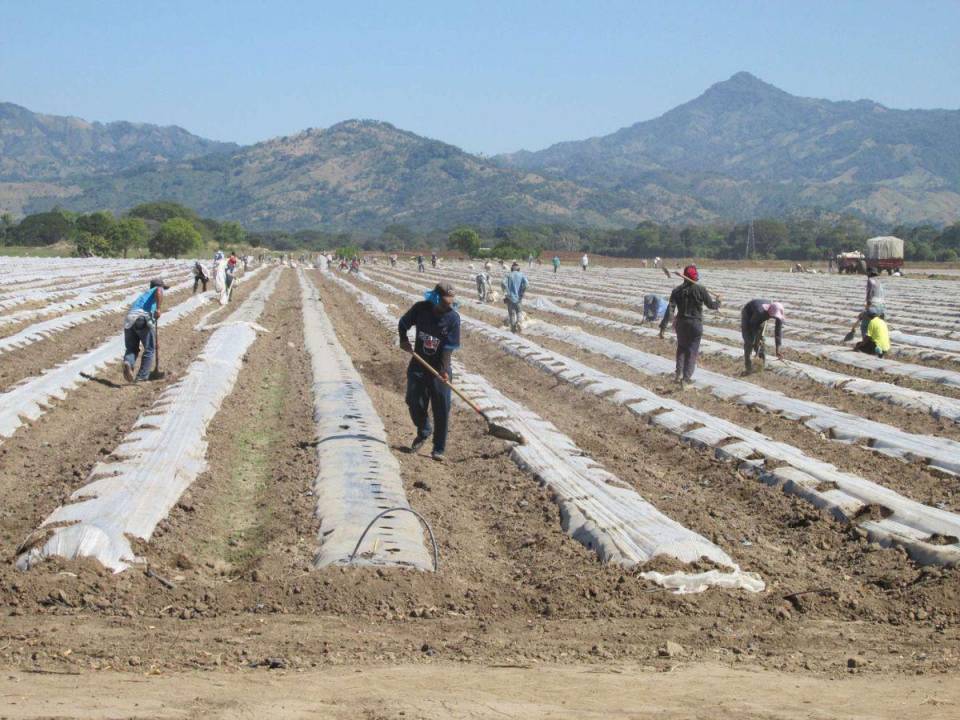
point(170, 230)
point(163, 229)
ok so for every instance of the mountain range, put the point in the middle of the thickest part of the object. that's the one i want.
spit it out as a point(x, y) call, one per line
point(743, 148)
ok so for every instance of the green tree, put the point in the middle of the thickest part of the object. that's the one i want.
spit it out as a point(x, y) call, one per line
point(465, 240)
point(229, 234)
point(163, 211)
point(6, 225)
point(128, 233)
point(88, 244)
point(98, 223)
point(397, 236)
point(177, 236)
point(44, 228)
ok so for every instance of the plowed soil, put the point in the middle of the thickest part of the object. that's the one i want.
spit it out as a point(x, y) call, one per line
point(520, 620)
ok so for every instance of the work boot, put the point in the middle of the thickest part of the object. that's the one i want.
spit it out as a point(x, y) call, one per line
point(436, 455)
point(418, 442)
point(127, 371)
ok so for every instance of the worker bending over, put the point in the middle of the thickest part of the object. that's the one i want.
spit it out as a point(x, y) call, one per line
point(437, 326)
point(654, 307)
point(687, 300)
point(199, 276)
point(483, 285)
point(753, 321)
point(139, 330)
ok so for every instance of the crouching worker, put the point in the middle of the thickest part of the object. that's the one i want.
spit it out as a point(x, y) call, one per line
point(139, 330)
point(654, 307)
point(753, 321)
point(437, 326)
point(877, 340)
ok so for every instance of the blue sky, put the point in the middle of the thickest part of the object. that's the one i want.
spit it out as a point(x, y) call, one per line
point(487, 76)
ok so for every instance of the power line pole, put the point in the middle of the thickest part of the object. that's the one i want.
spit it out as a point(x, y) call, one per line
point(751, 249)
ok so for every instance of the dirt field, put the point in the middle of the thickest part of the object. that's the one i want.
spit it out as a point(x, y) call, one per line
point(520, 621)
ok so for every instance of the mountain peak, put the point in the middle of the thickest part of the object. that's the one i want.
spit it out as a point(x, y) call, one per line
point(744, 82)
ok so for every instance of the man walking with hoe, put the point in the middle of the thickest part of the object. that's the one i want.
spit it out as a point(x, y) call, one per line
point(139, 328)
point(514, 286)
point(687, 300)
point(437, 336)
point(753, 321)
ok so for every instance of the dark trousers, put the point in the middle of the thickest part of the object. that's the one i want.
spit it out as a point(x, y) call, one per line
point(133, 338)
point(752, 340)
point(196, 282)
point(689, 332)
point(423, 392)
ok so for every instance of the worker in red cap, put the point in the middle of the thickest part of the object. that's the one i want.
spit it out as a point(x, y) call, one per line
point(753, 321)
point(687, 301)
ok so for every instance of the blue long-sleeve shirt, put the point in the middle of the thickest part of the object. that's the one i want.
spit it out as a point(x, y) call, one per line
point(514, 286)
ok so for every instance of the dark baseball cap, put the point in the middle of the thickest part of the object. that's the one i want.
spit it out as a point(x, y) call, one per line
point(159, 282)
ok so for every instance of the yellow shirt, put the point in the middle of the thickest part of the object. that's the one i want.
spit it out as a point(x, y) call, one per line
point(878, 332)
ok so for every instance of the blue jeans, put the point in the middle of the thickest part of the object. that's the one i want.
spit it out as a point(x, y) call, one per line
point(424, 391)
point(133, 338)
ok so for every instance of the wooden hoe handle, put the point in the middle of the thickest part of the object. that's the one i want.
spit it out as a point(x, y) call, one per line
point(437, 375)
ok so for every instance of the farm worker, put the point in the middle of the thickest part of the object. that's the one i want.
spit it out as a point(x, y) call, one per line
point(433, 260)
point(483, 285)
point(420, 267)
point(877, 341)
point(530, 261)
point(199, 276)
point(514, 286)
point(393, 260)
point(584, 261)
point(656, 262)
point(437, 326)
point(218, 255)
point(874, 306)
point(220, 279)
point(138, 329)
point(753, 321)
point(654, 307)
point(229, 274)
point(688, 300)
point(556, 264)
point(355, 266)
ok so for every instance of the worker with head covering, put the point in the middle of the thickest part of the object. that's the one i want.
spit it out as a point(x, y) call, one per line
point(687, 301)
point(874, 305)
point(514, 286)
point(437, 326)
point(139, 330)
point(753, 321)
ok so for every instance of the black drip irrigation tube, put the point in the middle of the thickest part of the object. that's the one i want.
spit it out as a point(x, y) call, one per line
point(433, 540)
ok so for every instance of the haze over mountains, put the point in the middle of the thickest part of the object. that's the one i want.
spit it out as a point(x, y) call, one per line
point(742, 149)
